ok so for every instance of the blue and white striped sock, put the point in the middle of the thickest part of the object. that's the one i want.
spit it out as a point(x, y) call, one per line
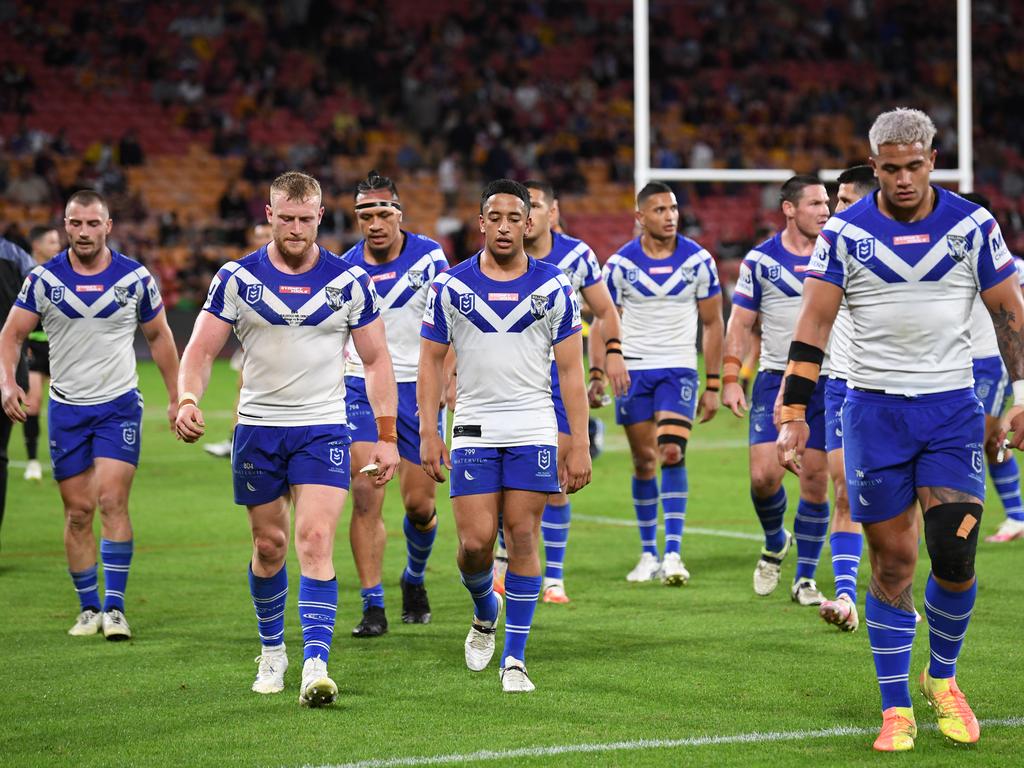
point(891, 634)
point(117, 560)
point(87, 586)
point(481, 589)
point(771, 511)
point(674, 490)
point(372, 596)
point(846, 553)
point(948, 614)
point(1006, 477)
point(554, 526)
point(269, 595)
point(318, 606)
point(418, 546)
point(810, 529)
point(521, 593)
point(645, 502)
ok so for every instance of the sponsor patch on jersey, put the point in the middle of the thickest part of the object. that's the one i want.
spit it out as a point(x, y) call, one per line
point(667, 270)
point(1000, 253)
point(89, 288)
point(745, 283)
point(503, 297)
point(25, 288)
point(467, 430)
point(384, 276)
point(920, 239)
point(303, 290)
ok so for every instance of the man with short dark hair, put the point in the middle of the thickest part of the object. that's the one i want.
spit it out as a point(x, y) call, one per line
point(910, 261)
point(768, 290)
point(293, 305)
point(45, 242)
point(401, 266)
point(503, 312)
point(91, 299)
point(664, 284)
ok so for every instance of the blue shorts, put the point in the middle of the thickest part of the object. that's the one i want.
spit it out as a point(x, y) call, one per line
point(895, 444)
point(658, 389)
point(363, 428)
point(561, 417)
point(762, 411)
point(266, 461)
point(990, 382)
point(489, 470)
point(835, 396)
point(81, 433)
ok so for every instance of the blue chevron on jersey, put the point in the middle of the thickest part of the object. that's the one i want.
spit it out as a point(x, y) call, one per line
point(576, 259)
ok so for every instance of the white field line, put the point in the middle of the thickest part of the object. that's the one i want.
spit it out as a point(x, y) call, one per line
point(689, 529)
point(756, 737)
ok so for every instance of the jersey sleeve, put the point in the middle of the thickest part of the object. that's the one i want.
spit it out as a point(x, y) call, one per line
point(995, 262)
point(364, 302)
point(439, 262)
point(826, 263)
point(613, 276)
point(747, 293)
point(28, 296)
point(437, 315)
point(565, 315)
point(1018, 262)
point(590, 268)
point(150, 302)
point(708, 284)
point(222, 298)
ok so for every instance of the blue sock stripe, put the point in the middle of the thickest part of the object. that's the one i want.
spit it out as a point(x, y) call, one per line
point(318, 608)
point(891, 636)
point(481, 589)
point(116, 557)
point(810, 529)
point(949, 614)
point(522, 593)
point(645, 504)
point(372, 596)
point(554, 525)
point(771, 512)
point(269, 596)
point(846, 555)
point(674, 492)
point(418, 546)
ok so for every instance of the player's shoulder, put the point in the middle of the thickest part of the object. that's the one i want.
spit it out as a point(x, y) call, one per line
point(686, 247)
point(335, 266)
point(353, 255)
point(16, 254)
point(761, 250)
point(418, 245)
point(569, 244)
point(545, 270)
point(124, 265)
point(958, 208)
point(627, 251)
point(859, 214)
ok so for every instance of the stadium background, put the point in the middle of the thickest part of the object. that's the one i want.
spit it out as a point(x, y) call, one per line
point(181, 113)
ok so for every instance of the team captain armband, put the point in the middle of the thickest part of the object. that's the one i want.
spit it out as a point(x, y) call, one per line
point(386, 429)
point(801, 378)
point(731, 366)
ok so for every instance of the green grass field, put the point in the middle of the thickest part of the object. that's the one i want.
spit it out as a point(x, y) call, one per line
point(661, 668)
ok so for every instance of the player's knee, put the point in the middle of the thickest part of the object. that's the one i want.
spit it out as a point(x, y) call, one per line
point(645, 464)
point(113, 502)
point(764, 482)
point(673, 454)
point(313, 541)
point(521, 542)
point(673, 434)
point(475, 547)
point(270, 546)
point(951, 535)
point(79, 517)
point(423, 515)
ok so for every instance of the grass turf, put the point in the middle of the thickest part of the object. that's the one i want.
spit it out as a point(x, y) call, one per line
point(622, 662)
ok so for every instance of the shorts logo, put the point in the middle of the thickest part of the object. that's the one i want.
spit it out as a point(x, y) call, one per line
point(865, 250)
point(469, 476)
point(335, 298)
point(415, 277)
point(250, 486)
point(253, 293)
point(957, 247)
point(337, 456)
point(862, 500)
point(976, 463)
point(632, 274)
point(686, 393)
point(984, 387)
point(121, 295)
point(538, 305)
point(544, 458)
point(467, 303)
point(57, 294)
point(774, 272)
point(129, 434)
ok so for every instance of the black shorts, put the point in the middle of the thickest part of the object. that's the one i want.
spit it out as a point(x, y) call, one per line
point(39, 357)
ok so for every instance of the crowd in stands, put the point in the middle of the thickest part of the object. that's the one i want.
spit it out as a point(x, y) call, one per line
point(182, 112)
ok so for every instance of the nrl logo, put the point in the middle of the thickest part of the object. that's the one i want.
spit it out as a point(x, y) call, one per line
point(774, 272)
point(632, 275)
point(467, 303)
point(957, 247)
point(544, 458)
point(415, 278)
point(337, 456)
point(57, 294)
point(865, 250)
point(129, 434)
point(538, 305)
point(335, 298)
point(253, 293)
point(121, 294)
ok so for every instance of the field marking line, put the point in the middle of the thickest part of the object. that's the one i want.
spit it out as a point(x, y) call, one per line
point(689, 529)
point(755, 737)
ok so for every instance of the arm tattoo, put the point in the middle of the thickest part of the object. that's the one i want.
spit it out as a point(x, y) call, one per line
point(1011, 342)
point(904, 600)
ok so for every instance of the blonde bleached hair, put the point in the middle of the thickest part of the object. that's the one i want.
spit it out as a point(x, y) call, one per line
point(901, 126)
point(295, 185)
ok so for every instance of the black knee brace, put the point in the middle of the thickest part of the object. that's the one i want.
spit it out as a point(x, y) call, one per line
point(673, 431)
point(951, 534)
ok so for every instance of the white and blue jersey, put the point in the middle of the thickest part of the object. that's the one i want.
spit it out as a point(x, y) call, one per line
point(659, 299)
point(402, 285)
point(91, 321)
point(502, 332)
point(991, 381)
point(293, 330)
point(911, 418)
point(578, 263)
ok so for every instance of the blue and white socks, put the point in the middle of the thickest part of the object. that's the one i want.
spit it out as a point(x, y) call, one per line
point(521, 593)
point(117, 559)
point(318, 606)
point(554, 527)
point(846, 554)
point(674, 491)
point(810, 529)
point(645, 502)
